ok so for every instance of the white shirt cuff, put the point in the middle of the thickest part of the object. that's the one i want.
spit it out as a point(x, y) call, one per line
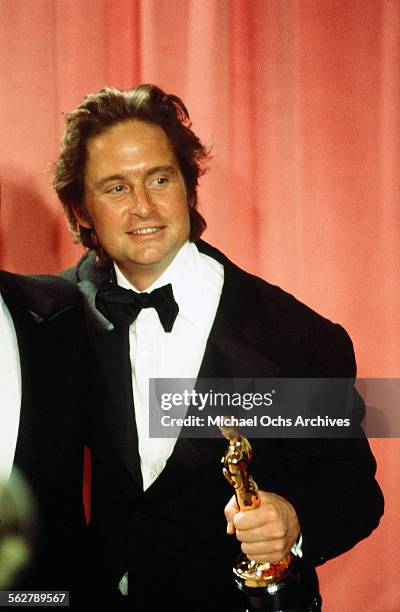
point(296, 548)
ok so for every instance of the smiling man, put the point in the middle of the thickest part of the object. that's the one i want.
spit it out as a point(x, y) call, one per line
point(160, 303)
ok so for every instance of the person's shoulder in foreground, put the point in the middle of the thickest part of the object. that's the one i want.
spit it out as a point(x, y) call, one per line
point(48, 295)
point(51, 353)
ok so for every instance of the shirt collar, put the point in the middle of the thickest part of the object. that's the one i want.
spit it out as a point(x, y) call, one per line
point(185, 274)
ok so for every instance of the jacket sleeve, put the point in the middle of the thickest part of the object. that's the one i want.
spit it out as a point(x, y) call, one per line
point(333, 486)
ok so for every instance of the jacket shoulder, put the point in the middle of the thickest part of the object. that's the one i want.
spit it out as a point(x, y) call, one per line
point(51, 285)
point(280, 305)
point(308, 331)
point(298, 329)
point(87, 269)
point(73, 274)
point(284, 306)
point(42, 294)
point(38, 285)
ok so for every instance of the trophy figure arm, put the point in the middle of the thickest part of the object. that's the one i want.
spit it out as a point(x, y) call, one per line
point(236, 470)
point(246, 489)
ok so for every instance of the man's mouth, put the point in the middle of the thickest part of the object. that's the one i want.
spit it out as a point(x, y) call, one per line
point(146, 230)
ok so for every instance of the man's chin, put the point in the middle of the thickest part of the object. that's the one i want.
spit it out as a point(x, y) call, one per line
point(142, 272)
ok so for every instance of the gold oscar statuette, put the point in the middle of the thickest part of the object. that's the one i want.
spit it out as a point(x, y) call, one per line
point(236, 470)
point(268, 587)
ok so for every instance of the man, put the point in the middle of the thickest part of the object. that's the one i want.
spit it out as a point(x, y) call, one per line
point(127, 177)
point(42, 407)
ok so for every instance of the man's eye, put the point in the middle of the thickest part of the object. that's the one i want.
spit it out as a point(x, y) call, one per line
point(117, 189)
point(160, 180)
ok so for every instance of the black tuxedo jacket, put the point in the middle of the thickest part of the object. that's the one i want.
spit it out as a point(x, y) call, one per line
point(173, 536)
point(50, 330)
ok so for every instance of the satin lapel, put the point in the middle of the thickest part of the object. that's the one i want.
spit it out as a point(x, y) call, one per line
point(113, 378)
point(230, 354)
point(240, 340)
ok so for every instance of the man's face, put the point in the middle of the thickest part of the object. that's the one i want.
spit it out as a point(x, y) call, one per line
point(136, 199)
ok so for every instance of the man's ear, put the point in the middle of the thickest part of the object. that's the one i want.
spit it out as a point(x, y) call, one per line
point(82, 218)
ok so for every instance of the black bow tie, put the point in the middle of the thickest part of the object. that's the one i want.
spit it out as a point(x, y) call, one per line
point(122, 306)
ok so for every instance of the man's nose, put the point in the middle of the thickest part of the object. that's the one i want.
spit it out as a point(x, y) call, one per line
point(141, 202)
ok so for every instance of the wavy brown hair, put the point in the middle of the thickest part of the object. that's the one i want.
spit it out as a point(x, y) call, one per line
point(97, 113)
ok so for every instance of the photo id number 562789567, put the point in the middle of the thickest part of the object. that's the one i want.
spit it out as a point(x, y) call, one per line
point(34, 598)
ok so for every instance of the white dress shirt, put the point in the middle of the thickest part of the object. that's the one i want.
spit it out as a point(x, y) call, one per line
point(197, 282)
point(10, 391)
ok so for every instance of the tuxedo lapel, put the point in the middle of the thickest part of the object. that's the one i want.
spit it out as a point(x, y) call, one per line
point(242, 331)
point(112, 372)
point(230, 354)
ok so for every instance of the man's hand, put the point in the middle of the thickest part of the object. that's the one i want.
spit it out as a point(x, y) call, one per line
point(267, 533)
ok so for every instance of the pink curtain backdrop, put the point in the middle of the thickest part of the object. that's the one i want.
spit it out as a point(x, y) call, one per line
point(300, 100)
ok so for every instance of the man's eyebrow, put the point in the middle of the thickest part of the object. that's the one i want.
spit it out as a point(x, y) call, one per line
point(168, 169)
point(112, 177)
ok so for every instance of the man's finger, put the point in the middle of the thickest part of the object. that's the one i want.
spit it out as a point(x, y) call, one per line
point(231, 509)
